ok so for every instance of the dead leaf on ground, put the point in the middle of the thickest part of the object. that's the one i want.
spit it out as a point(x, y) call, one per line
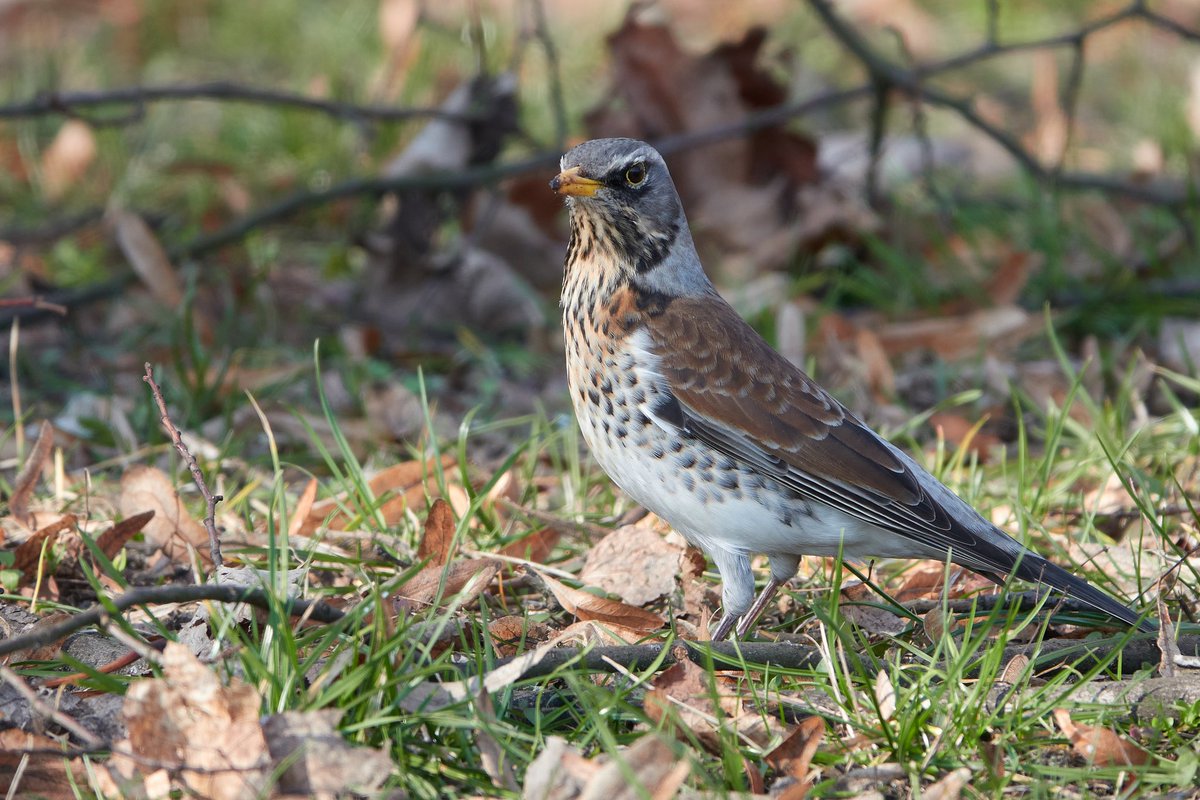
point(316, 759)
point(697, 592)
point(438, 539)
point(44, 773)
point(588, 606)
point(953, 338)
point(496, 763)
point(536, 547)
point(633, 562)
point(965, 434)
point(406, 483)
point(885, 695)
point(303, 508)
point(67, 159)
point(29, 553)
point(1099, 746)
point(687, 691)
point(509, 633)
point(558, 773)
point(148, 258)
point(646, 768)
point(27, 479)
point(949, 786)
point(470, 576)
point(46, 652)
point(112, 540)
point(172, 528)
point(187, 721)
point(793, 755)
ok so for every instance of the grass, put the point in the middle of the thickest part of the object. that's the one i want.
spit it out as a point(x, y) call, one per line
point(376, 666)
point(373, 667)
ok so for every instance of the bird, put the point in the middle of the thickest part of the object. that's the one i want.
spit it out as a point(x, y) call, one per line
point(697, 418)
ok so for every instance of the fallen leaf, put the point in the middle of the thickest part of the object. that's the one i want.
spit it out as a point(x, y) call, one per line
point(953, 338)
point(885, 695)
point(438, 539)
point(509, 633)
point(311, 757)
point(28, 554)
point(31, 471)
point(696, 591)
point(112, 540)
point(962, 433)
point(647, 768)
point(148, 258)
point(1099, 746)
point(687, 691)
point(1014, 669)
point(43, 771)
point(949, 786)
point(407, 484)
point(633, 562)
point(588, 606)
point(172, 528)
point(559, 772)
point(496, 763)
point(793, 755)
point(190, 723)
point(470, 576)
point(303, 509)
point(535, 547)
point(68, 158)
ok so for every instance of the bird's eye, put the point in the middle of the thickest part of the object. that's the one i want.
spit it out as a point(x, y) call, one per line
point(635, 174)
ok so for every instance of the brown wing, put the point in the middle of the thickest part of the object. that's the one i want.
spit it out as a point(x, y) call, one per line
point(744, 399)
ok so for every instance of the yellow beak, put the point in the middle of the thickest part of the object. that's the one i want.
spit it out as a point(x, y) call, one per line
point(570, 182)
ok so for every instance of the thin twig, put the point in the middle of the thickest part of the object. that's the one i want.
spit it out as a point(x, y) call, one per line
point(151, 595)
point(541, 31)
point(210, 518)
point(48, 711)
point(912, 81)
point(33, 302)
point(70, 103)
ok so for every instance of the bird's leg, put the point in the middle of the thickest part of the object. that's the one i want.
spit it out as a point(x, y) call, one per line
point(721, 632)
point(756, 610)
point(737, 589)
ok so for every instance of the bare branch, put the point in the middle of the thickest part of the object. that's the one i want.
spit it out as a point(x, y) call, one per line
point(48, 711)
point(558, 103)
point(150, 595)
point(210, 519)
point(71, 104)
point(911, 81)
point(33, 302)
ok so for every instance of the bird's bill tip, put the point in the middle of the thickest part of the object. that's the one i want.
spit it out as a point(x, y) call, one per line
point(570, 183)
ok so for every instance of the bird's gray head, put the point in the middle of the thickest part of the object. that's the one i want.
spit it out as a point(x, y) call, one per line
point(626, 214)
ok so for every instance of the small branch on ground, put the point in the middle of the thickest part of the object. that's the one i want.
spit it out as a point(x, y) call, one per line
point(63, 720)
point(210, 518)
point(33, 302)
point(1009, 601)
point(1047, 655)
point(151, 595)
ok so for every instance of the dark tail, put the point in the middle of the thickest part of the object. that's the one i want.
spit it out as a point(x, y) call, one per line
point(1035, 568)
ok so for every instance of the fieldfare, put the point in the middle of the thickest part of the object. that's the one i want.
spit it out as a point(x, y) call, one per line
point(698, 419)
